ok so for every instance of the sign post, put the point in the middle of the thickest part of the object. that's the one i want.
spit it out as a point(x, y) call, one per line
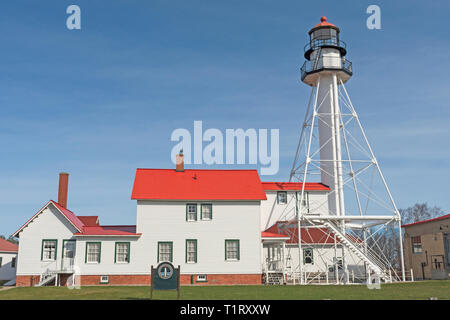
point(165, 277)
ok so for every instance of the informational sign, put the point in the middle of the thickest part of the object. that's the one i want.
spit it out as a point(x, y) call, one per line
point(165, 277)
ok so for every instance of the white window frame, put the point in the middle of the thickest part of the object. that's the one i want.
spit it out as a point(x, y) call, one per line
point(104, 279)
point(202, 278)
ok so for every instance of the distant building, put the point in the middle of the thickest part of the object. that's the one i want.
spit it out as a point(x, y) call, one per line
point(427, 248)
point(8, 261)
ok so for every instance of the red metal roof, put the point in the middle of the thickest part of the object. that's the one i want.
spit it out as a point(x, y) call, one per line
point(70, 216)
point(168, 184)
point(108, 231)
point(310, 235)
point(309, 186)
point(324, 23)
point(425, 221)
point(266, 234)
point(6, 246)
point(89, 221)
point(86, 225)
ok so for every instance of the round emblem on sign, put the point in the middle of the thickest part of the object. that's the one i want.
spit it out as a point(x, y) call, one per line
point(165, 270)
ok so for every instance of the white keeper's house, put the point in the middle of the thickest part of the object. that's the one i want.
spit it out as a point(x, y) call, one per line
point(220, 226)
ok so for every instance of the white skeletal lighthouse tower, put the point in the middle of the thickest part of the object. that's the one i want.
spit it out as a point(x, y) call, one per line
point(359, 212)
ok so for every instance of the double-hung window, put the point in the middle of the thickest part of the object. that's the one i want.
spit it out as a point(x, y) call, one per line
point(93, 252)
point(191, 251)
point(416, 244)
point(165, 251)
point(206, 211)
point(122, 252)
point(191, 212)
point(232, 250)
point(13, 262)
point(49, 250)
point(282, 197)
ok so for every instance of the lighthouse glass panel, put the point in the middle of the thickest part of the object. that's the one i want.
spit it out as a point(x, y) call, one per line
point(324, 36)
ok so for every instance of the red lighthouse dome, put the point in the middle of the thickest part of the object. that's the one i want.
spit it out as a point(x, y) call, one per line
point(324, 23)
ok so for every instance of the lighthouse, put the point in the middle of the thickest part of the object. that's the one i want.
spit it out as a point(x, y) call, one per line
point(334, 150)
point(325, 67)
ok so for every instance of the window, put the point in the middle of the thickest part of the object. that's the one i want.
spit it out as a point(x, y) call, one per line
point(232, 250)
point(191, 212)
point(122, 252)
point(1, 261)
point(416, 244)
point(282, 197)
point(340, 264)
point(49, 250)
point(104, 279)
point(308, 256)
point(93, 252)
point(206, 211)
point(191, 251)
point(165, 251)
point(13, 262)
point(202, 278)
point(305, 202)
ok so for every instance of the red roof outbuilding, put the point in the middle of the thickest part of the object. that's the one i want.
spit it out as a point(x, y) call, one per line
point(6, 246)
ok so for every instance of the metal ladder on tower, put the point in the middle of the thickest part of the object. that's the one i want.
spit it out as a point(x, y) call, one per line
point(373, 263)
point(317, 58)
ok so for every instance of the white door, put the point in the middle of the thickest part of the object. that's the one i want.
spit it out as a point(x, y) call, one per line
point(68, 255)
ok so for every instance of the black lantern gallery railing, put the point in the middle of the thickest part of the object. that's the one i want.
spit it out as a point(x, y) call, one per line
point(331, 63)
point(320, 43)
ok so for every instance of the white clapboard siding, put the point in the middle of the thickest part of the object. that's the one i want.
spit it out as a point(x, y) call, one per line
point(7, 271)
point(50, 224)
point(166, 221)
point(272, 211)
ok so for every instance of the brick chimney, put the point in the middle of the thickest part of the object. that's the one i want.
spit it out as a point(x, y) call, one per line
point(180, 162)
point(63, 189)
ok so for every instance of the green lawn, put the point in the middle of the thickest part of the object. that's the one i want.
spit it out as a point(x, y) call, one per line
point(417, 290)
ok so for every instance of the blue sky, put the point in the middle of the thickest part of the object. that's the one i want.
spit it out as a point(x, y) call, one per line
point(103, 101)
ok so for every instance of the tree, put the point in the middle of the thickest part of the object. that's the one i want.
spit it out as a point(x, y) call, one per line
point(419, 212)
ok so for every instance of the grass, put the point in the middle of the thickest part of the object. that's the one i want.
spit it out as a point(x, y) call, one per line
point(417, 290)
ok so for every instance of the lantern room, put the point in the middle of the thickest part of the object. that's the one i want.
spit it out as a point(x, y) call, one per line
point(325, 54)
point(324, 34)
